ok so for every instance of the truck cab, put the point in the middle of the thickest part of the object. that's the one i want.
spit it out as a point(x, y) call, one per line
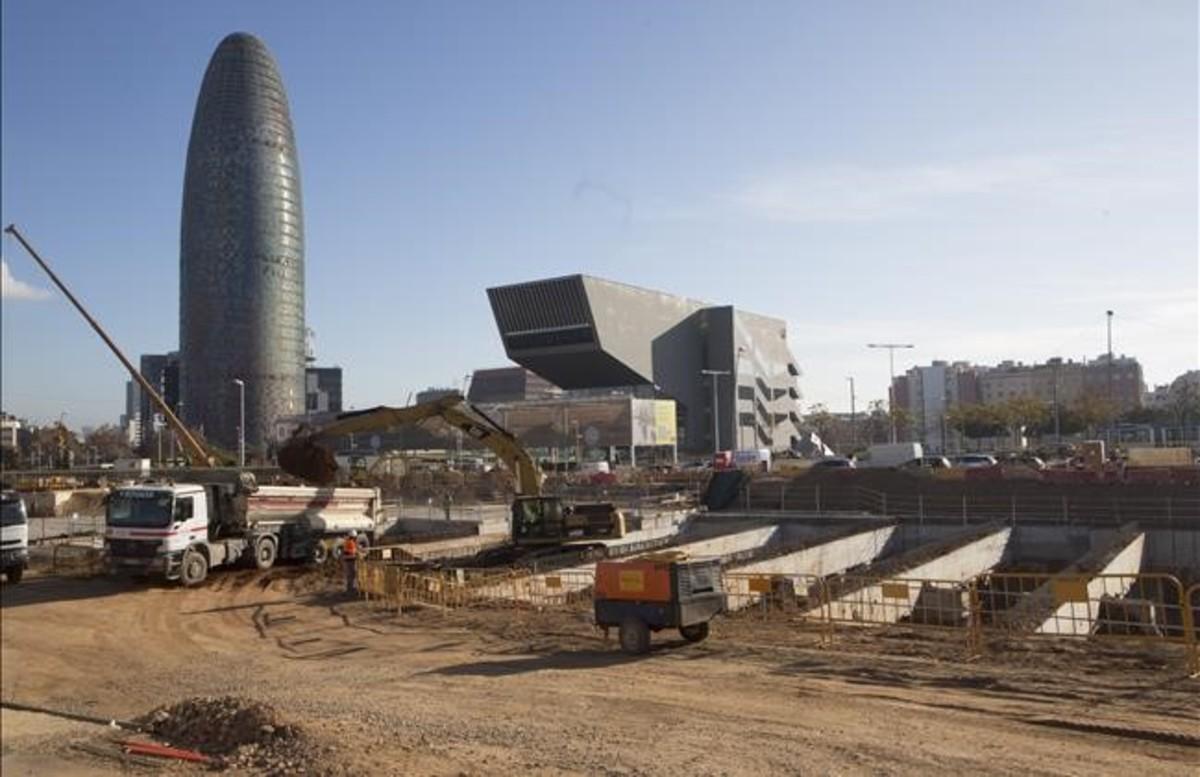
point(149, 527)
point(14, 536)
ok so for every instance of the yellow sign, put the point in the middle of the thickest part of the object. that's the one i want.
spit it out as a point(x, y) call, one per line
point(760, 585)
point(631, 581)
point(664, 422)
point(895, 591)
point(1072, 589)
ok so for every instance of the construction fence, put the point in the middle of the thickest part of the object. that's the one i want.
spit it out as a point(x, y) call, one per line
point(975, 612)
point(800, 496)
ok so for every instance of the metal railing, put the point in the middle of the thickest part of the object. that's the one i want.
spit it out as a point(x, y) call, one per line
point(1146, 606)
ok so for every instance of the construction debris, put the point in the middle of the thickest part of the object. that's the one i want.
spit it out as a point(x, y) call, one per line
point(237, 733)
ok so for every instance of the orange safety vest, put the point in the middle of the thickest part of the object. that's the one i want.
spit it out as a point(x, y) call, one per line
point(350, 549)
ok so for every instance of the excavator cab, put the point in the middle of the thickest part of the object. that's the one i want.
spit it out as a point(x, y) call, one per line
point(545, 520)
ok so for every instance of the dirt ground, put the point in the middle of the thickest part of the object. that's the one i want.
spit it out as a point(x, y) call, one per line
point(509, 692)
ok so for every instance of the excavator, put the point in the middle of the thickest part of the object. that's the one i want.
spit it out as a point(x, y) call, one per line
point(538, 520)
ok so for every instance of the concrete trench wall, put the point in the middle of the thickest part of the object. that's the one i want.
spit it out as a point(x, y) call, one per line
point(1173, 550)
point(1079, 618)
point(825, 558)
point(533, 588)
point(880, 602)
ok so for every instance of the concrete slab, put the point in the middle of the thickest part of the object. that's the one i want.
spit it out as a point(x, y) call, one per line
point(802, 566)
point(1078, 618)
point(890, 591)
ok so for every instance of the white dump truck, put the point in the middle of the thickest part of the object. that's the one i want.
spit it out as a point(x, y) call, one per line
point(182, 530)
point(14, 536)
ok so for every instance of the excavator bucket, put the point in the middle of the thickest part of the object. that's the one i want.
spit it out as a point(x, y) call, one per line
point(304, 458)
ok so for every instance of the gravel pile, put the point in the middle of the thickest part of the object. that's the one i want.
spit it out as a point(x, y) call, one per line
point(238, 733)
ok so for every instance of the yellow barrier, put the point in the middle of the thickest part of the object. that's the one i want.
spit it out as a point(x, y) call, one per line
point(1191, 622)
point(399, 587)
point(1146, 607)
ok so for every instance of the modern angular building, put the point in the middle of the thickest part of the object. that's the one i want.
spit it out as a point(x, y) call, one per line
point(580, 332)
point(241, 311)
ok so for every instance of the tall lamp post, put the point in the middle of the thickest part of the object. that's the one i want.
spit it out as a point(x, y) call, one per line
point(1112, 408)
point(891, 349)
point(737, 371)
point(241, 384)
point(714, 374)
point(853, 425)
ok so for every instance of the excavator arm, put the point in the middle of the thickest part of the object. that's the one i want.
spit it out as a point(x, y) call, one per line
point(307, 456)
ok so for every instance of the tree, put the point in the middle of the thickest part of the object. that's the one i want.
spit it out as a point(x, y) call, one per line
point(108, 443)
point(977, 421)
point(1091, 409)
point(1023, 414)
point(821, 421)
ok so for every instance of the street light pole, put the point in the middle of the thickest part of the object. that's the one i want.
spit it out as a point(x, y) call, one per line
point(891, 349)
point(1112, 408)
point(714, 374)
point(737, 371)
point(241, 384)
point(853, 427)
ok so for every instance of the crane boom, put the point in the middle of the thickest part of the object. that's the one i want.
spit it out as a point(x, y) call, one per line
point(305, 457)
point(195, 450)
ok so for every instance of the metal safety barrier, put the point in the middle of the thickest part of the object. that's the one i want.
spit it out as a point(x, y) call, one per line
point(982, 612)
point(454, 588)
point(1142, 605)
point(1191, 626)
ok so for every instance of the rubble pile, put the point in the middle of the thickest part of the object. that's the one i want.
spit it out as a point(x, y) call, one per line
point(238, 733)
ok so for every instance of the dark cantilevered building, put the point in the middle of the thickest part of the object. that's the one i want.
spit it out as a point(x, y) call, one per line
point(241, 291)
point(590, 335)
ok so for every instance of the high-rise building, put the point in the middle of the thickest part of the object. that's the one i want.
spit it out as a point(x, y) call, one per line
point(131, 421)
point(323, 390)
point(241, 251)
point(161, 371)
point(928, 393)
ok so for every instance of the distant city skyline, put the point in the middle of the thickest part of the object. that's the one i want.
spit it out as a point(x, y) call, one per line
point(983, 182)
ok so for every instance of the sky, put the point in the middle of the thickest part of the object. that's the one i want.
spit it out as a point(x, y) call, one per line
point(982, 180)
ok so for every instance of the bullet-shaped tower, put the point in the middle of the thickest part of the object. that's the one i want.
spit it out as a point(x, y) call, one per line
point(241, 291)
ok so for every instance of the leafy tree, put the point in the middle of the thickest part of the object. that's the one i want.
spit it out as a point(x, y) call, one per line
point(108, 443)
point(1024, 413)
point(977, 421)
point(1091, 410)
point(821, 421)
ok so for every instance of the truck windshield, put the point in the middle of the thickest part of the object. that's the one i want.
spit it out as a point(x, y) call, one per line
point(11, 513)
point(140, 508)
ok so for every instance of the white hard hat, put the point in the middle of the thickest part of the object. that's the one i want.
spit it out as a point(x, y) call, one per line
point(353, 533)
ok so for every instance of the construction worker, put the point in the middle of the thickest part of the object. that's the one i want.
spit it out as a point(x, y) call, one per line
point(350, 561)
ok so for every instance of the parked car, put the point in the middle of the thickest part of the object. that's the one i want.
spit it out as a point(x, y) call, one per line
point(1024, 459)
point(974, 460)
point(834, 462)
point(927, 462)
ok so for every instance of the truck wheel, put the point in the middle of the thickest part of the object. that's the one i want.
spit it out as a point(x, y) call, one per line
point(14, 574)
point(193, 568)
point(635, 636)
point(697, 632)
point(265, 551)
point(320, 552)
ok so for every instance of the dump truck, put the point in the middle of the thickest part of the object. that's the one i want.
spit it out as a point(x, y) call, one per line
point(179, 531)
point(14, 536)
point(656, 592)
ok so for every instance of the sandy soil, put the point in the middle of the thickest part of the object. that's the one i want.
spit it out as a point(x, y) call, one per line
point(505, 692)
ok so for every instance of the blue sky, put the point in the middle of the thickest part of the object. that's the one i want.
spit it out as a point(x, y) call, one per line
point(980, 179)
